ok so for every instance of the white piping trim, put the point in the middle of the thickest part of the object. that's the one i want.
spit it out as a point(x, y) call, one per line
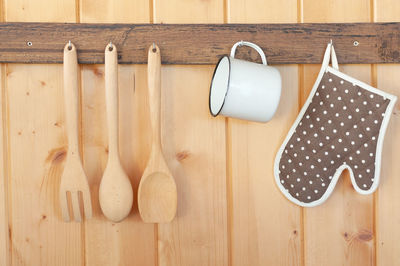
point(335, 178)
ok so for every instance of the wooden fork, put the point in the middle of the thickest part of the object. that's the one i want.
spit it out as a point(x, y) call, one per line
point(73, 179)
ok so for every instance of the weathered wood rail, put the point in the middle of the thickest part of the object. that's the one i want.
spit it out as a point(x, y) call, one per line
point(201, 43)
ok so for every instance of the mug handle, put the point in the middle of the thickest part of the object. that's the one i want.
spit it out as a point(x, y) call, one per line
point(252, 45)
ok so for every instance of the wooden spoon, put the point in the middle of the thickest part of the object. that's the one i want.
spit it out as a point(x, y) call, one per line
point(115, 194)
point(157, 196)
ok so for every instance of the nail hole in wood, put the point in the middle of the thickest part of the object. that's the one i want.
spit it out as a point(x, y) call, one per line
point(29, 43)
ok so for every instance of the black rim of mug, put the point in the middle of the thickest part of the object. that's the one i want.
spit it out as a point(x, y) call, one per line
point(227, 86)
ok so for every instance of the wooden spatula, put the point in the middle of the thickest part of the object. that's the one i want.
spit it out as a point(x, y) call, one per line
point(115, 194)
point(157, 196)
point(73, 179)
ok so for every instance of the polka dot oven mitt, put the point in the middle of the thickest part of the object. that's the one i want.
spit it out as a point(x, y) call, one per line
point(341, 126)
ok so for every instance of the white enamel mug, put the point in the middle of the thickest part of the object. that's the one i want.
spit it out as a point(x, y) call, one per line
point(243, 89)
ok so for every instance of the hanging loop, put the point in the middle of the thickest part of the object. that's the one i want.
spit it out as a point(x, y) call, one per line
point(252, 45)
point(330, 55)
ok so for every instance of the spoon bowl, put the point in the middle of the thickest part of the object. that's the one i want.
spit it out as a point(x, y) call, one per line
point(115, 193)
point(161, 208)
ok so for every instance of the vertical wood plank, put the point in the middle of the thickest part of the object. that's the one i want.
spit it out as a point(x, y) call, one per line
point(194, 11)
point(259, 11)
point(340, 231)
point(130, 242)
point(4, 237)
point(262, 219)
point(117, 11)
point(40, 11)
point(37, 145)
point(387, 214)
point(194, 144)
point(4, 254)
point(336, 11)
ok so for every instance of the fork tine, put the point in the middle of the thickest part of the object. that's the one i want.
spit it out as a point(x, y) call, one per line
point(87, 204)
point(64, 206)
point(75, 206)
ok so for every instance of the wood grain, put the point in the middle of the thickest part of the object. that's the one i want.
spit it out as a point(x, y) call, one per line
point(388, 199)
point(259, 11)
point(195, 152)
point(387, 203)
point(130, 242)
point(339, 232)
point(200, 44)
point(37, 146)
point(4, 239)
point(262, 219)
point(38, 235)
point(5, 255)
point(40, 11)
point(332, 11)
point(194, 11)
point(117, 11)
point(194, 147)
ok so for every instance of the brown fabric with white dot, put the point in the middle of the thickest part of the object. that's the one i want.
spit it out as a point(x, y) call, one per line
point(340, 126)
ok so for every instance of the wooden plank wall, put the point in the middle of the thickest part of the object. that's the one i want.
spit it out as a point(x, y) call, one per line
point(230, 211)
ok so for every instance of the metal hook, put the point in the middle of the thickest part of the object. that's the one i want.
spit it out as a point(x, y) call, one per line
point(241, 43)
point(331, 42)
point(154, 47)
point(69, 45)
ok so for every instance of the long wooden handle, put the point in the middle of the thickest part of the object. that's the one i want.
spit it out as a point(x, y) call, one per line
point(71, 97)
point(154, 83)
point(111, 77)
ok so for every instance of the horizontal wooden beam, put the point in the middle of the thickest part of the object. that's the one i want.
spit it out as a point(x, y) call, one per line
point(201, 43)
